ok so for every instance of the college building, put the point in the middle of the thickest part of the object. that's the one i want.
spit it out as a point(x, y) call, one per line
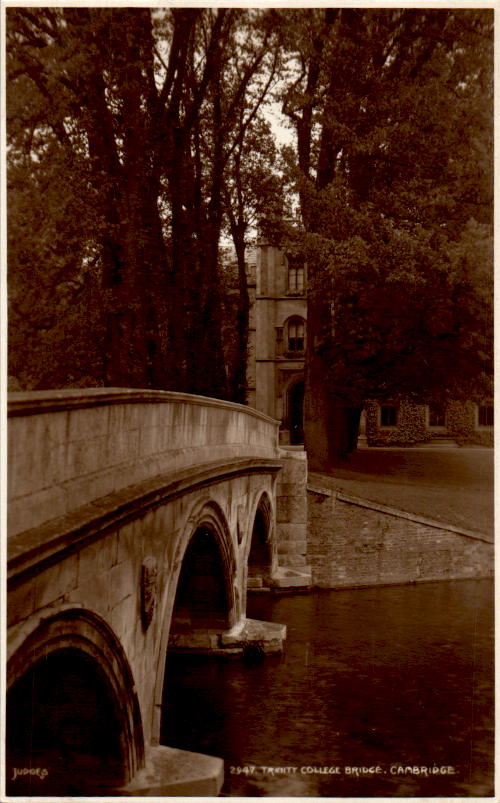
point(275, 378)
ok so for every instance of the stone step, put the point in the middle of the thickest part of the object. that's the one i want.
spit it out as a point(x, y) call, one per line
point(285, 577)
point(254, 582)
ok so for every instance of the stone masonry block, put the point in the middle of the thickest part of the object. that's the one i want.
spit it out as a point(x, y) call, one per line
point(85, 456)
point(293, 471)
point(21, 603)
point(149, 441)
point(124, 580)
point(31, 511)
point(123, 618)
point(293, 547)
point(93, 593)
point(97, 557)
point(56, 581)
point(296, 489)
point(124, 447)
point(88, 423)
point(286, 531)
point(290, 509)
point(293, 560)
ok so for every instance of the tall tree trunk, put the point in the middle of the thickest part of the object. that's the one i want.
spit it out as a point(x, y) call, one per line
point(322, 418)
point(239, 378)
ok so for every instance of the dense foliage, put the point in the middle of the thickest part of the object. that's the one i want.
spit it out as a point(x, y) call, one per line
point(393, 117)
point(122, 124)
point(138, 136)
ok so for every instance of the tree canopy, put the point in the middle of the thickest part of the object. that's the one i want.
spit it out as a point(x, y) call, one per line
point(392, 111)
point(122, 123)
point(137, 136)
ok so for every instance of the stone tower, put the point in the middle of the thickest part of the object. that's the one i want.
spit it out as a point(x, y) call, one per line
point(278, 339)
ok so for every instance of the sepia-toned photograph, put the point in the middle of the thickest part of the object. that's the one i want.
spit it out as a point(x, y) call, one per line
point(248, 272)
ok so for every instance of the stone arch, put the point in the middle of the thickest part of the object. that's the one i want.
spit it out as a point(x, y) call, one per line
point(202, 597)
point(208, 515)
point(261, 551)
point(205, 514)
point(83, 706)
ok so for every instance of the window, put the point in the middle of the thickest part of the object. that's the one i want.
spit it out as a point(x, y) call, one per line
point(296, 280)
point(437, 415)
point(296, 335)
point(388, 415)
point(485, 416)
point(279, 341)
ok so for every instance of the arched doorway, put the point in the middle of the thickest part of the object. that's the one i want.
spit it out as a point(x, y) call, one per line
point(63, 729)
point(296, 412)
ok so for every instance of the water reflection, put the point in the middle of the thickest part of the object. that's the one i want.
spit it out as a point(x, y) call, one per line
point(386, 677)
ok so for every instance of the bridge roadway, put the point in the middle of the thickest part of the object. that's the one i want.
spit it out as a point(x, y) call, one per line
point(137, 519)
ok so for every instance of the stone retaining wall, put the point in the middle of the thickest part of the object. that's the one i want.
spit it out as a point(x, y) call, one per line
point(355, 543)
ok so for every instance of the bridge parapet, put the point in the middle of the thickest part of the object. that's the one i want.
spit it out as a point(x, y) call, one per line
point(68, 448)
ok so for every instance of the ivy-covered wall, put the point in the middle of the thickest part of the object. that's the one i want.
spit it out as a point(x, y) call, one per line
point(412, 425)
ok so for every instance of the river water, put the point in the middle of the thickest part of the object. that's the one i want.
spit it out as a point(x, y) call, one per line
point(396, 682)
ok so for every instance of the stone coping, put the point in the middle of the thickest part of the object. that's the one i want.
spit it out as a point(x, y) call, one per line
point(32, 550)
point(400, 514)
point(34, 402)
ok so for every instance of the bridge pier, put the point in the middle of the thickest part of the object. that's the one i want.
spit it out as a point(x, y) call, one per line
point(246, 637)
point(168, 771)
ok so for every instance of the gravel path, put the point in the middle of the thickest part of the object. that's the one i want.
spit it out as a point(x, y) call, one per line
point(452, 485)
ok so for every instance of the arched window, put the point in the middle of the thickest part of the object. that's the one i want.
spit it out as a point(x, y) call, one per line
point(296, 335)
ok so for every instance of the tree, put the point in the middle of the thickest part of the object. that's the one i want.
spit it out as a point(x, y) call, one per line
point(253, 196)
point(124, 118)
point(393, 117)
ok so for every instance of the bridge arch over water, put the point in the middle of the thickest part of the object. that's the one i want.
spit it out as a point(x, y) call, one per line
point(132, 516)
point(71, 694)
point(261, 552)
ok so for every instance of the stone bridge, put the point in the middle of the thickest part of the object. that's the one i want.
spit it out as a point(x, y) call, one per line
point(137, 520)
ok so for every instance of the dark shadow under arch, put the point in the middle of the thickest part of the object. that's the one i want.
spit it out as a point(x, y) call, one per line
point(72, 710)
point(61, 718)
point(260, 557)
point(203, 607)
point(202, 600)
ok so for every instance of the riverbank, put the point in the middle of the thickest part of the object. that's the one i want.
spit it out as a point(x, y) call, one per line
point(454, 486)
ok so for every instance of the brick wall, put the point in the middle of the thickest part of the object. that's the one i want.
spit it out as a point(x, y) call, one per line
point(354, 543)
